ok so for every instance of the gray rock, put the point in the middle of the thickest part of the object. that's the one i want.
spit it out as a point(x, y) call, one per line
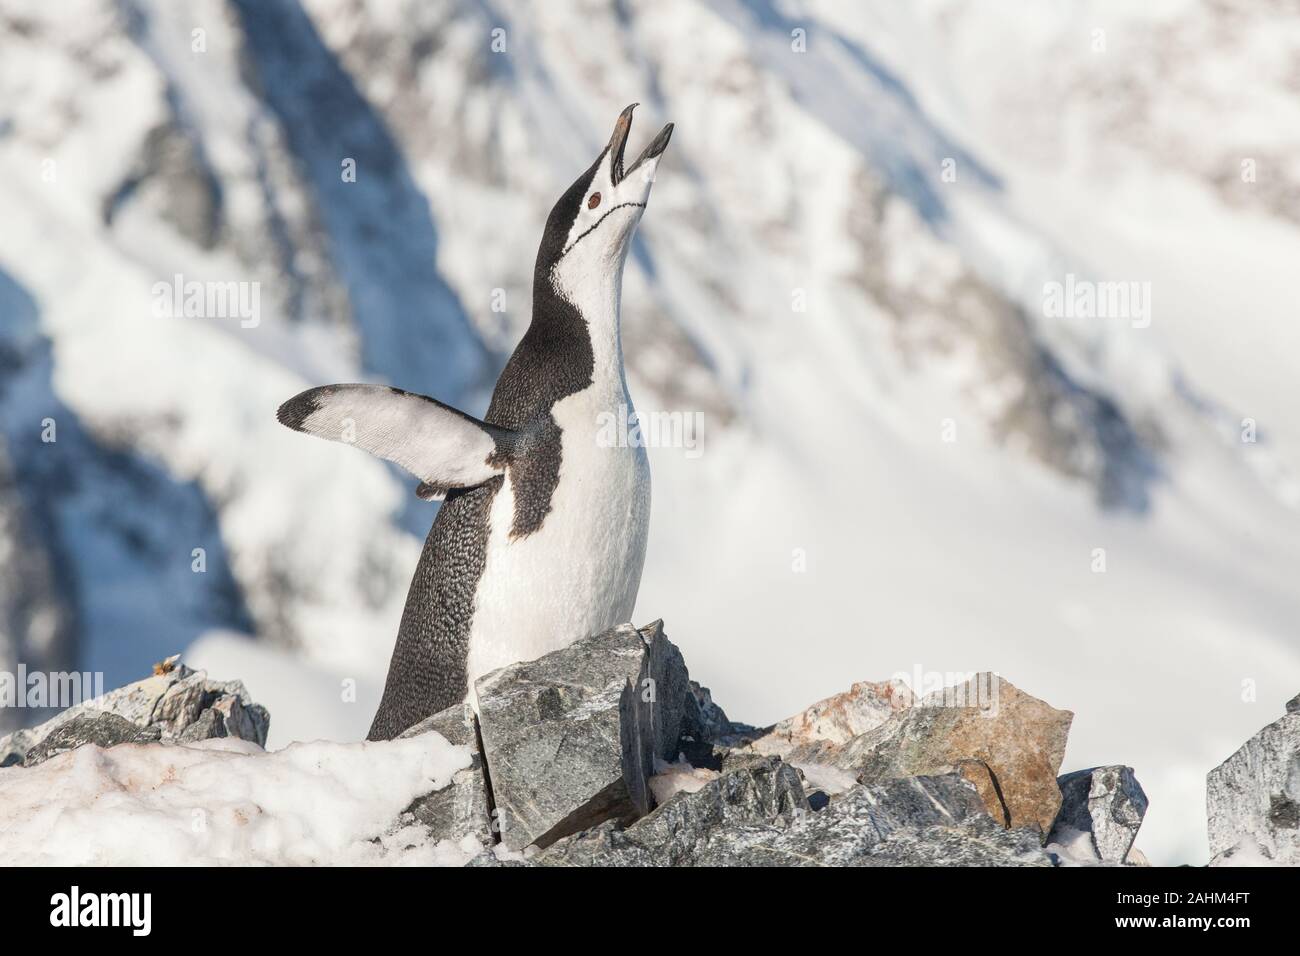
point(754, 794)
point(702, 719)
point(1108, 804)
point(916, 821)
point(195, 708)
point(100, 729)
point(175, 705)
point(1253, 799)
point(707, 733)
point(1293, 705)
point(14, 747)
point(462, 808)
point(607, 844)
point(489, 859)
point(652, 707)
point(571, 739)
point(755, 815)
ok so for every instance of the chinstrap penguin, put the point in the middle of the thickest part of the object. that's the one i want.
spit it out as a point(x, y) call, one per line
point(542, 535)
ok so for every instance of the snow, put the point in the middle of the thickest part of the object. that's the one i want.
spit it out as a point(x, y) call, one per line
point(1074, 848)
point(828, 779)
point(227, 802)
point(670, 779)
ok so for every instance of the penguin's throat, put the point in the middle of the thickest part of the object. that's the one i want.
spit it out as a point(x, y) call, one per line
point(596, 295)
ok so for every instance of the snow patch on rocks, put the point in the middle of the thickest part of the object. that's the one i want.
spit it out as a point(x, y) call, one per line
point(226, 801)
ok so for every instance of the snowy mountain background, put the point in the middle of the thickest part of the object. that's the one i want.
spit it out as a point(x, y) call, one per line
point(907, 466)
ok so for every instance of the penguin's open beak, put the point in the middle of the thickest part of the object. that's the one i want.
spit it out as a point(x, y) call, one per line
point(618, 142)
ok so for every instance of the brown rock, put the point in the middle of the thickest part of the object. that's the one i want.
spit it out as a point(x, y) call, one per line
point(1005, 742)
point(984, 781)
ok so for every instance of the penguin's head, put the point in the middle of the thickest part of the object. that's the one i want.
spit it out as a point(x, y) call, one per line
point(589, 229)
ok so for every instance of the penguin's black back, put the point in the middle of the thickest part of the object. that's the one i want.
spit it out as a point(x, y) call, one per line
point(428, 671)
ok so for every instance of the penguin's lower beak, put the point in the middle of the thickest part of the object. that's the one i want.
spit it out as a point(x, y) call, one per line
point(618, 142)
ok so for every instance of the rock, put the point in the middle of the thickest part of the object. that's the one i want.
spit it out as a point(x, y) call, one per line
point(968, 837)
point(227, 716)
point(654, 702)
point(916, 821)
point(584, 757)
point(702, 719)
point(707, 731)
point(175, 705)
point(101, 729)
point(816, 735)
point(750, 798)
point(1293, 705)
point(1253, 799)
point(571, 739)
point(462, 808)
point(497, 857)
point(1008, 744)
point(1105, 803)
point(829, 742)
point(14, 747)
point(1004, 746)
point(755, 815)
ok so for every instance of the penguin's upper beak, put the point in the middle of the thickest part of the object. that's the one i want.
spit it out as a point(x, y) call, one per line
point(618, 142)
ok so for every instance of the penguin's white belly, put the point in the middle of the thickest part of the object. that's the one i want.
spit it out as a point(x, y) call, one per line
point(578, 574)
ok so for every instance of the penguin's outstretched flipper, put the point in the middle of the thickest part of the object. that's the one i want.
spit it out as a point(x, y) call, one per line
point(443, 447)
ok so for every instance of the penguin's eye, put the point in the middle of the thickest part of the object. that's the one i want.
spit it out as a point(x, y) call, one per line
point(594, 201)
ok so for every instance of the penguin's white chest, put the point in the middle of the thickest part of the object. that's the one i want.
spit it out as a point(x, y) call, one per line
point(578, 573)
